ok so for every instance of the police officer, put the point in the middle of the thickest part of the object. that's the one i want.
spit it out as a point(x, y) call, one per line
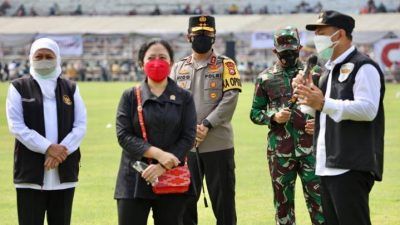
point(290, 151)
point(215, 84)
point(349, 122)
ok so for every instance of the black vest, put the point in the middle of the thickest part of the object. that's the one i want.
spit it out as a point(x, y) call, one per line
point(29, 165)
point(355, 145)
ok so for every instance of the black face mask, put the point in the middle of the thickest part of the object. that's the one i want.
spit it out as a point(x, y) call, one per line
point(288, 58)
point(202, 43)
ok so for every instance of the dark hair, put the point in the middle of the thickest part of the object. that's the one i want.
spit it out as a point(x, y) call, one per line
point(143, 49)
point(348, 34)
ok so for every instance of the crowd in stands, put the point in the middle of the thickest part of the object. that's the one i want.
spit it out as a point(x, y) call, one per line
point(126, 70)
point(103, 70)
point(110, 58)
point(371, 7)
point(186, 9)
point(80, 70)
point(54, 10)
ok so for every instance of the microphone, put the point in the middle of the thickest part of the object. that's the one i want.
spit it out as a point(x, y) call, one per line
point(311, 62)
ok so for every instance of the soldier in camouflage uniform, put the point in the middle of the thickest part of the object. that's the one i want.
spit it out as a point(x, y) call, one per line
point(290, 148)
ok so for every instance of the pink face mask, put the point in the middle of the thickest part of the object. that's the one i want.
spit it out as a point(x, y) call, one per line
point(157, 69)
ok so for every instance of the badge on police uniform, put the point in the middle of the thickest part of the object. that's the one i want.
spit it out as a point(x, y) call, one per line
point(183, 78)
point(231, 77)
point(213, 95)
point(213, 68)
point(231, 68)
point(213, 84)
point(185, 84)
point(345, 71)
point(183, 72)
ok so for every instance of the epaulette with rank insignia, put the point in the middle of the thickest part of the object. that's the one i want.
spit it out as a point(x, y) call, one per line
point(222, 57)
point(186, 58)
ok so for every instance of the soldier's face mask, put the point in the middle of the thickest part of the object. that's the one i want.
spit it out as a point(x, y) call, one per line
point(157, 69)
point(202, 43)
point(288, 58)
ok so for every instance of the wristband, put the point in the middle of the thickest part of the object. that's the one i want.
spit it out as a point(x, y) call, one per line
point(207, 124)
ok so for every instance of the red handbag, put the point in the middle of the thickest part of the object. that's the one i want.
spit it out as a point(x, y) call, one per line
point(176, 180)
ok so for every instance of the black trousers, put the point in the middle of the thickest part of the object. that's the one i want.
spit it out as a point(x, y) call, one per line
point(219, 169)
point(345, 198)
point(167, 210)
point(33, 204)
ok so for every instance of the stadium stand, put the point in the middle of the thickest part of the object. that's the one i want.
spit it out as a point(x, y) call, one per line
point(125, 7)
point(105, 47)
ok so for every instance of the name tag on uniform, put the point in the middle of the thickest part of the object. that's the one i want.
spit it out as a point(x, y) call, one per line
point(183, 79)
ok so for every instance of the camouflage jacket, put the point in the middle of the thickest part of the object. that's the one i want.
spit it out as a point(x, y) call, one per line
point(272, 92)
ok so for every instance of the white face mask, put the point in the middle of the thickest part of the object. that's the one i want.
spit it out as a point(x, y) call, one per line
point(324, 45)
point(44, 68)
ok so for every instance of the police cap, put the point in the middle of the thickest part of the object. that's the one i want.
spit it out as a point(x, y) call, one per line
point(198, 23)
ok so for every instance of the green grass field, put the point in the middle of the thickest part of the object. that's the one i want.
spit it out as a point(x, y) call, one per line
point(94, 203)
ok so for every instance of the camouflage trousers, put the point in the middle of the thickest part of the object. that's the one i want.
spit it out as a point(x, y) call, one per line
point(284, 171)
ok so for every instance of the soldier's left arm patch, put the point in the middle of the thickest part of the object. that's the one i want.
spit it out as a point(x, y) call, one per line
point(231, 76)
